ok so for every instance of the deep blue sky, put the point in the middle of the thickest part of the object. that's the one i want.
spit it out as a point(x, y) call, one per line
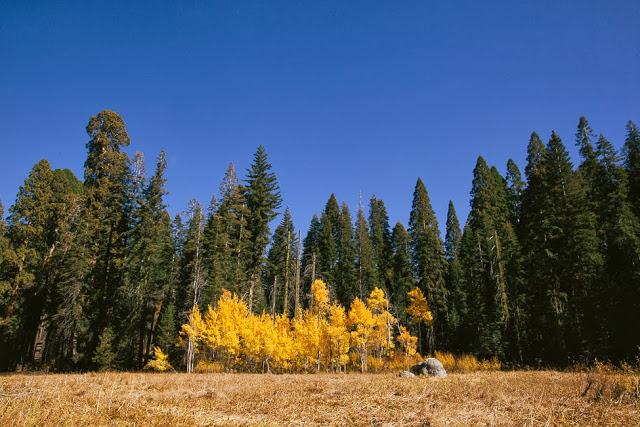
point(346, 96)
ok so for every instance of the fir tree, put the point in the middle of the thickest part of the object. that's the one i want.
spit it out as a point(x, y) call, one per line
point(327, 241)
point(309, 254)
point(227, 239)
point(618, 298)
point(365, 264)
point(515, 187)
point(32, 233)
point(106, 180)
point(263, 201)
point(346, 258)
point(280, 270)
point(453, 278)
point(150, 270)
point(429, 261)
point(380, 241)
point(632, 165)
point(402, 274)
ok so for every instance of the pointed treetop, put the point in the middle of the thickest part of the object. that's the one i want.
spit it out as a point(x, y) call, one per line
point(584, 135)
point(453, 234)
point(535, 154)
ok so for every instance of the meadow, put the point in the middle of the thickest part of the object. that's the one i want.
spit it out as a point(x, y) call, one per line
point(527, 398)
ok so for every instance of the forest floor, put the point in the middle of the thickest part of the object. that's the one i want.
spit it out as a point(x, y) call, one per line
point(174, 399)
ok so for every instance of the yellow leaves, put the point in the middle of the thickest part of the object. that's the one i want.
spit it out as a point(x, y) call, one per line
point(418, 307)
point(160, 363)
point(229, 337)
point(377, 302)
point(320, 297)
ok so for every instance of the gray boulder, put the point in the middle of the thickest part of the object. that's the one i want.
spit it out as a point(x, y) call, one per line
point(429, 367)
point(406, 374)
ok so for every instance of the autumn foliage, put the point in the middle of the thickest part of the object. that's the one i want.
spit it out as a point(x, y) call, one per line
point(324, 338)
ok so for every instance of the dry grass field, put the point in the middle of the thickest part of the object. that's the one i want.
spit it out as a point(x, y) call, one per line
point(487, 398)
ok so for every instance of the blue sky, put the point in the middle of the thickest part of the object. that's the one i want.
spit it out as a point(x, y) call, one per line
point(347, 97)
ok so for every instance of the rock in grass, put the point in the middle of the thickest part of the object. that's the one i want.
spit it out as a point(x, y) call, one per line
point(430, 367)
point(406, 374)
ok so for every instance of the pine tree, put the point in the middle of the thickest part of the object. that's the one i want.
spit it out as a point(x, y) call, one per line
point(380, 241)
point(429, 261)
point(280, 270)
point(227, 240)
point(365, 264)
point(263, 200)
point(106, 181)
point(402, 276)
point(487, 219)
point(309, 255)
point(346, 257)
point(327, 242)
point(453, 279)
point(632, 165)
point(515, 187)
point(618, 298)
point(192, 279)
point(32, 233)
point(561, 254)
point(150, 264)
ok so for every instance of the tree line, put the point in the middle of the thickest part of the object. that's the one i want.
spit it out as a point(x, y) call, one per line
point(544, 272)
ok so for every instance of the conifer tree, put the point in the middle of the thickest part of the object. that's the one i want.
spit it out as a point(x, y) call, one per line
point(453, 278)
point(561, 253)
point(227, 239)
point(192, 280)
point(32, 233)
point(106, 178)
point(150, 264)
point(280, 270)
point(263, 201)
point(309, 254)
point(515, 187)
point(327, 241)
point(365, 264)
point(632, 165)
point(402, 273)
point(429, 262)
point(380, 241)
point(346, 258)
point(618, 298)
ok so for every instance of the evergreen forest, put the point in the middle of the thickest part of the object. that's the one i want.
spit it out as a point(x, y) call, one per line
point(544, 272)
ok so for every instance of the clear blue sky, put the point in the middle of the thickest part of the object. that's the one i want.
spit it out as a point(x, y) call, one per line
point(346, 96)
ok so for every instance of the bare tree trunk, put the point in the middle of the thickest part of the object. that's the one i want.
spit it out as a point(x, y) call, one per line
point(273, 297)
point(297, 302)
point(286, 276)
point(252, 283)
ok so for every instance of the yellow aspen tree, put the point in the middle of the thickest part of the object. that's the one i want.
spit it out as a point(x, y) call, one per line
point(285, 347)
point(210, 332)
point(418, 309)
point(408, 343)
point(192, 331)
point(232, 314)
point(361, 325)
point(160, 362)
point(338, 336)
point(319, 297)
point(380, 341)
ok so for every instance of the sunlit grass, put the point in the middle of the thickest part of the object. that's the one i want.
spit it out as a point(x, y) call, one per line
point(499, 398)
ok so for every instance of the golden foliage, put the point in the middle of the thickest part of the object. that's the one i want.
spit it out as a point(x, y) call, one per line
point(418, 307)
point(160, 362)
point(322, 338)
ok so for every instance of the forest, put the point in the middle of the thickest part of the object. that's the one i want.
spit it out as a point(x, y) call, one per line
point(545, 272)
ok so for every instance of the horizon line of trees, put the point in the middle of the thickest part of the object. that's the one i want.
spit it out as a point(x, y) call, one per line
point(545, 271)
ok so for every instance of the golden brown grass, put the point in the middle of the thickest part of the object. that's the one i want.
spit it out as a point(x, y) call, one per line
point(492, 398)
